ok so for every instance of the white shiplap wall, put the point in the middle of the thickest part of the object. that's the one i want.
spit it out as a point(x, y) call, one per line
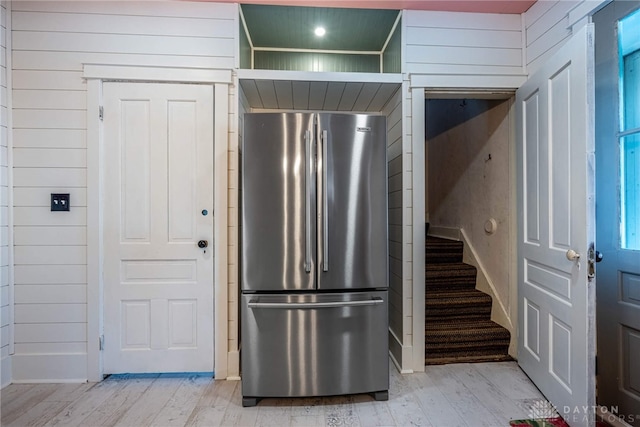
point(443, 50)
point(5, 305)
point(51, 42)
point(393, 112)
point(549, 24)
point(462, 43)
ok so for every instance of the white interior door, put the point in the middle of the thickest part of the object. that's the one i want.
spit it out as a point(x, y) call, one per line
point(555, 198)
point(158, 204)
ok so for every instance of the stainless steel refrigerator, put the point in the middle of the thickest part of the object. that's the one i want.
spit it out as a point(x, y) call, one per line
point(314, 276)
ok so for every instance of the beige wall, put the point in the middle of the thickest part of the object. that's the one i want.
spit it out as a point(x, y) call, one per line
point(469, 182)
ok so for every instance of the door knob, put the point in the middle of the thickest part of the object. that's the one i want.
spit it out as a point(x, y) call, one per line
point(572, 255)
point(599, 256)
point(203, 244)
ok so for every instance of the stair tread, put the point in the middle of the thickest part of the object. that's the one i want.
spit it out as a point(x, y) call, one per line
point(474, 332)
point(458, 325)
point(467, 358)
point(433, 240)
point(463, 325)
point(456, 296)
point(449, 266)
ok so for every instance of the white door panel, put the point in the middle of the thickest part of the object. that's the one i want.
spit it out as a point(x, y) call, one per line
point(158, 180)
point(555, 152)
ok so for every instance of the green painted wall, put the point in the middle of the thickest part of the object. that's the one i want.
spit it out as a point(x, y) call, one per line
point(296, 61)
point(392, 56)
point(245, 49)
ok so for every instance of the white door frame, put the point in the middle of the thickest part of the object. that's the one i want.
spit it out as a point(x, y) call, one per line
point(419, 85)
point(95, 75)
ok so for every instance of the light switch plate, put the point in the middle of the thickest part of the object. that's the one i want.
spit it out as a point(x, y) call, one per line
point(59, 202)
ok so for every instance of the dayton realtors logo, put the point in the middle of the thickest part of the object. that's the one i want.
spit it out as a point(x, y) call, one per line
point(541, 409)
point(581, 414)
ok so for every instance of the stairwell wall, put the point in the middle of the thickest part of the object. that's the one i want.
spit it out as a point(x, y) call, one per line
point(470, 183)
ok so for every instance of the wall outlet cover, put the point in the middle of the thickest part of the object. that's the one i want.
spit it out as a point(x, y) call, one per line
point(60, 201)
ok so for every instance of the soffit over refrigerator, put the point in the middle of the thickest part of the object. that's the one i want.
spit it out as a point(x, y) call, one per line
point(305, 91)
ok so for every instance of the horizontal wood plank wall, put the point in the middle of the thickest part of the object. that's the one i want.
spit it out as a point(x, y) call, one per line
point(5, 306)
point(393, 111)
point(549, 24)
point(462, 43)
point(51, 42)
point(547, 27)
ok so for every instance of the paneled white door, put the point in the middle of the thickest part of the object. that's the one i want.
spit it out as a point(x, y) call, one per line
point(618, 208)
point(556, 229)
point(158, 205)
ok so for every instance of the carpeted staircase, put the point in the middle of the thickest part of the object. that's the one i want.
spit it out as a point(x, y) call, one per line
point(458, 326)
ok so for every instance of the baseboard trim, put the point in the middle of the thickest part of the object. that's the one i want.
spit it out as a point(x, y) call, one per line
point(406, 354)
point(49, 368)
point(5, 372)
point(233, 364)
point(445, 232)
point(398, 367)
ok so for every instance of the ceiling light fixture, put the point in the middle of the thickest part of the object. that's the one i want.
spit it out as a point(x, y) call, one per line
point(320, 31)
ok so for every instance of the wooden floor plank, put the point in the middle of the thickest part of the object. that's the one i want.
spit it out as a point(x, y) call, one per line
point(468, 406)
point(76, 412)
point(434, 403)
point(11, 393)
point(448, 395)
point(373, 413)
point(15, 407)
point(145, 409)
point(236, 415)
point(213, 404)
point(109, 412)
point(510, 378)
point(69, 392)
point(40, 414)
point(493, 398)
point(179, 408)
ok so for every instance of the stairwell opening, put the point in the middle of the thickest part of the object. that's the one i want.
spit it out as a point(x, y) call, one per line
point(471, 276)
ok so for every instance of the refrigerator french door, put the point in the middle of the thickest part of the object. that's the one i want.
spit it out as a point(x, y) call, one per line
point(314, 265)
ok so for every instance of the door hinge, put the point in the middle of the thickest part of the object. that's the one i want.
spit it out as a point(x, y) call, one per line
point(596, 363)
point(591, 262)
point(101, 112)
point(101, 342)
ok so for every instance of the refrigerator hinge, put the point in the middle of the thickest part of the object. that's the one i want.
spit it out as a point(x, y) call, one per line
point(101, 342)
point(101, 113)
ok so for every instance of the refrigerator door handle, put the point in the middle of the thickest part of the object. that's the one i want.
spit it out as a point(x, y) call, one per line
point(325, 205)
point(308, 179)
point(255, 303)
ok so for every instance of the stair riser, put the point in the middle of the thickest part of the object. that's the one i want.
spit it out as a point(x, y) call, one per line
point(453, 347)
point(435, 315)
point(452, 284)
point(432, 258)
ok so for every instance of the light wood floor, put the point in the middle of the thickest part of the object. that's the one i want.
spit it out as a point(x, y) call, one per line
point(485, 394)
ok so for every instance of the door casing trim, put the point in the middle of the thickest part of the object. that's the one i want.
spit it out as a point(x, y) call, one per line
point(95, 75)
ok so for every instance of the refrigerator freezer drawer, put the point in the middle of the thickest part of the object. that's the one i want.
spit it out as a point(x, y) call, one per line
point(314, 344)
